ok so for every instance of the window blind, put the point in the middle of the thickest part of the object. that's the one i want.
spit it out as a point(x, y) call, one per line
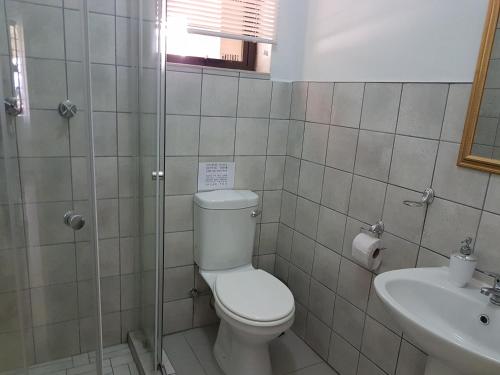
point(249, 20)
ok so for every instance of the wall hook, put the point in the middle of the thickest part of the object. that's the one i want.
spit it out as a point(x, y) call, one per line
point(427, 199)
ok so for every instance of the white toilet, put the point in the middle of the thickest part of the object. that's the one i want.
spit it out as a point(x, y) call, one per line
point(254, 306)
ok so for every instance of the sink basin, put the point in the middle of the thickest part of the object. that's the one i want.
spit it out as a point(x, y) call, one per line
point(457, 327)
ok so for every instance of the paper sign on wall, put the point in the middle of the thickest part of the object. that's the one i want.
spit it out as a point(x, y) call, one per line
point(216, 175)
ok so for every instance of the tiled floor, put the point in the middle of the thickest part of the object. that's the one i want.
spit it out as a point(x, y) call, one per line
point(191, 354)
point(117, 361)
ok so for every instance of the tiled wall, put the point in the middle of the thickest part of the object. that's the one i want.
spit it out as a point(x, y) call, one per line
point(53, 264)
point(218, 115)
point(355, 152)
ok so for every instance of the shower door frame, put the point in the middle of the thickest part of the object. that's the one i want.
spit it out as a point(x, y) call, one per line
point(93, 237)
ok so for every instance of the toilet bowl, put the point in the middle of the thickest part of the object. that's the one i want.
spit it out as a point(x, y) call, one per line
point(254, 308)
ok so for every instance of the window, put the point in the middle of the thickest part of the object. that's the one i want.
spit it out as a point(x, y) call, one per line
point(220, 33)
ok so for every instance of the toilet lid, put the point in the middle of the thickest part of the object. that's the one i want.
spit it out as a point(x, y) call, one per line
point(254, 295)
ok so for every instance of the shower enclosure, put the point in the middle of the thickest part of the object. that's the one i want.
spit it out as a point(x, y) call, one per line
point(81, 196)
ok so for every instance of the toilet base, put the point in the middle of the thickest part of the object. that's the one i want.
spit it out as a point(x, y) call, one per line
point(240, 355)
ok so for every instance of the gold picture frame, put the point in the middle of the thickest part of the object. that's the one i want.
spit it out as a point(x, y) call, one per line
point(465, 157)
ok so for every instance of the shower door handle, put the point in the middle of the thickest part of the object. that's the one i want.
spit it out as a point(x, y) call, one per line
point(75, 221)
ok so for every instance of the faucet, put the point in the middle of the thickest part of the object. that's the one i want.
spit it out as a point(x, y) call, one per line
point(493, 292)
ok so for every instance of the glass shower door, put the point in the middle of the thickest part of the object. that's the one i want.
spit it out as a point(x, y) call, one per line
point(48, 285)
point(151, 154)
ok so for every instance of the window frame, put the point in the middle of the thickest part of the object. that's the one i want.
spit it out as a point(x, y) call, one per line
point(249, 59)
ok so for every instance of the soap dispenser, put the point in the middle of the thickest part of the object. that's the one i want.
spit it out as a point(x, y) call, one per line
point(462, 264)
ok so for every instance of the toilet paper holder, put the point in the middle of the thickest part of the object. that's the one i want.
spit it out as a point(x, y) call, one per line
point(377, 228)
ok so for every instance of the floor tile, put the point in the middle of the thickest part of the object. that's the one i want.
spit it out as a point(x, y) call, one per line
point(191, 352)
point(320, 369)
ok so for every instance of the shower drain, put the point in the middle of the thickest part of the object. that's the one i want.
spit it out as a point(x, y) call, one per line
point(484, 319)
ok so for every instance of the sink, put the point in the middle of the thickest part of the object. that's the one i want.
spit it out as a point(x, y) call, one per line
point(457, 327)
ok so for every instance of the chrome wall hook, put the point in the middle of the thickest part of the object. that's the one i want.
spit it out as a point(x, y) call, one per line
point(427, 199)
point(377, 228)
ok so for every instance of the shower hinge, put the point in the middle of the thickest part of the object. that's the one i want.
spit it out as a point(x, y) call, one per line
point(158, 174)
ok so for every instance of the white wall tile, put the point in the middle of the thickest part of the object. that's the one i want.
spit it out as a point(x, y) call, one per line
point(298, 282)
point(456, 110)
point(310, 180)
point(398, 254)
point(342, 144)
point(278, 134)
point(422, 109)
point(367, 199)
point(306, 217)
point(281, 100)
point(182, 135)
point(254, 98)
point(302, 252)
point(318, 335)
point(487, 241)
point(492, 202)
point(299, 99)
point(288, 207)
point(373, 156)
point(326, 266)
point(331, 226)
point(381, 106)
point(413, 162)
point(183, 93)
point(459, 184)
point(275, 167)
point(249, 173)
point(42, 28)
point(315, 142)
point(354, 283)
point(102, 38)
point(347, 103)
point(380, 345)
point(271, 204)
point(295, 139)
point(400, 219)
point(336, 189)
point(348, 322)
point(219, 96)
point(251, 136)
point(447, 224)
point(217, 135)
point(319, 102)
point(343, 356)
point(411, 360)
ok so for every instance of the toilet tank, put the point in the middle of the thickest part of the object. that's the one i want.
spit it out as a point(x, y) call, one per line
point(224, 228)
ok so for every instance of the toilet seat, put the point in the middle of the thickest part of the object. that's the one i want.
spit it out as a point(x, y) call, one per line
point(254, 296)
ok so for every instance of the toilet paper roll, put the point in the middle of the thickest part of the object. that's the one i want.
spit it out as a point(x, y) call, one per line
point(366, 250)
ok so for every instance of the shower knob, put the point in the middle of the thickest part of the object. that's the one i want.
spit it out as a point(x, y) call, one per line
point(67, 109)
point(75, 221)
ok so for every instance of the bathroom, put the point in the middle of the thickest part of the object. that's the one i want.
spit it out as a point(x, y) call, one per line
point(186, 190)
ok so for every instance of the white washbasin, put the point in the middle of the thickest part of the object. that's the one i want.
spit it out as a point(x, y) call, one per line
point(444, 320)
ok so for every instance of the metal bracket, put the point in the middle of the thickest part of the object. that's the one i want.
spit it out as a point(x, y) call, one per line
point(377, 228)
point(12, 106)
point(159, 174)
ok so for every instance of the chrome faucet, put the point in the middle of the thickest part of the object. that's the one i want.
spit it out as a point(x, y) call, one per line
point(493, 292)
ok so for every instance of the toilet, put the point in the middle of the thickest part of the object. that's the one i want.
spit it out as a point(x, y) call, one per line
point(254, 307)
